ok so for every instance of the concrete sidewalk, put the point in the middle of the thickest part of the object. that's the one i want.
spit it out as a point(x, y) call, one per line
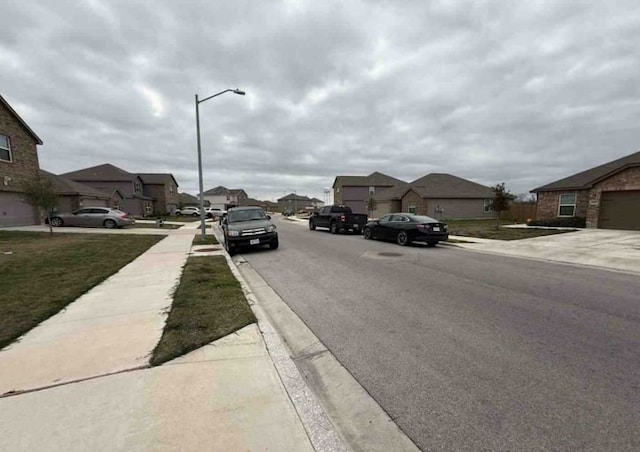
point(81, 381)
point(615, 250)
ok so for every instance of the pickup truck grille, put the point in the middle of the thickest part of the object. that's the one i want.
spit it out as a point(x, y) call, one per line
point(256, 231)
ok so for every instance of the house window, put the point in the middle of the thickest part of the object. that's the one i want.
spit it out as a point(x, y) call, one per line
point(372, 190)
point(412, 207)
point(170, 189)
point(338, 190)
point(147, 207)
point(567, 205)
point(136, 187)
point(487, 205)
point(5, 148)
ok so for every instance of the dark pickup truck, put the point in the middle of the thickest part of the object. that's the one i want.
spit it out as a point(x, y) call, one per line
point(337, 218)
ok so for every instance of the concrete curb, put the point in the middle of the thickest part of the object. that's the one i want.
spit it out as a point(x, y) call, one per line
point(361, 423)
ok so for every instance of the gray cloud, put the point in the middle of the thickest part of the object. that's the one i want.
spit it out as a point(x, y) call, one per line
point(523, 93)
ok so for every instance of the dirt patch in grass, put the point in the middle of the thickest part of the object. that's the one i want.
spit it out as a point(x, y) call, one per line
point(41, 274)
point(207, 305)
point(209, 239)
point(486, 229)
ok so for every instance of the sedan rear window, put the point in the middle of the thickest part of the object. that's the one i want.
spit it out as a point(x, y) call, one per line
point(423, 219)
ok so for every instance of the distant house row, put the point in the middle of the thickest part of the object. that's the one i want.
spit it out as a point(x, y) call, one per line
point(436, 195)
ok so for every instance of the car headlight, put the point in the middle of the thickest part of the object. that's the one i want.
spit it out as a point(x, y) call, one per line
point(231, 233)
point(271, 228)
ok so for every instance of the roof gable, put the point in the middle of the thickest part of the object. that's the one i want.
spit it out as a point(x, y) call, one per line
point(439, 185)
point(219, 190)
point(586, 179)
point(105, 173)
point(157, 178)
point(20, 120)
point(376, 179)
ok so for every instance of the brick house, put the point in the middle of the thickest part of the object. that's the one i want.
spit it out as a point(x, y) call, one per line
point(607, 196)
point(163, 188)
point(294, 202)
point(441, 196)
point(108, 179)
point(223, 198)
point(18, 162)
point(354, 191)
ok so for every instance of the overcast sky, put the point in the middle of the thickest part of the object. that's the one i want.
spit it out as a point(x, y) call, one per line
point(493, 91)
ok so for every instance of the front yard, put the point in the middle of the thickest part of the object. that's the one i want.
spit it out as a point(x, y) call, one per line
point(41, 274)
point(486, 229)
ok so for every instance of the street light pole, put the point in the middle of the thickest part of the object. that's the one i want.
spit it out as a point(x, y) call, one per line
point(200, 181)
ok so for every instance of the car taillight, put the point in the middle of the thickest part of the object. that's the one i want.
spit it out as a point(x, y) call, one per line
point(342, 218)
point(422, 227)
point(124, 215)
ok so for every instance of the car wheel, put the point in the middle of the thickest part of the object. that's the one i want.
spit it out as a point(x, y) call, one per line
point(432, 243)
point(333, 227)
point(231, 250)
point(274, 244)
point(109, 224)
point(178, 214)
point(194, 214)
point(57, 222)
point(366, 233)
point(402, 239)
point(312, 225)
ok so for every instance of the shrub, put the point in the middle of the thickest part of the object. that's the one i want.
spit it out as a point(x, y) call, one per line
point(573, 222)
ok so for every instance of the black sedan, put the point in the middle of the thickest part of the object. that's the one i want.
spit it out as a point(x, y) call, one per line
point(405, 228)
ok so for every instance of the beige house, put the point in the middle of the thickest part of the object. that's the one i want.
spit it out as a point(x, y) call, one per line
point(18, 162)
point(223, 198)
point(607, 196)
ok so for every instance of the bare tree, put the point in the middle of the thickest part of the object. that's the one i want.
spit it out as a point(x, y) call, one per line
point(372, 204)
point(39, 193)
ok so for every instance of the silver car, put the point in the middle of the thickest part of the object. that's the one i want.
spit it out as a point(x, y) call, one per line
point(93, 217)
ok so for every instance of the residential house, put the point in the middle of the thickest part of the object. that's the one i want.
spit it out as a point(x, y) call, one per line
point(163, 188)
point(267, 206)
point(607, 196)
point(185, 199)
point(316, 203)
point(74, 195)
point(294, 203)
point(18, 162)
point(108, 179)
point(441, 196)
point(224, 198)
point(355, 191)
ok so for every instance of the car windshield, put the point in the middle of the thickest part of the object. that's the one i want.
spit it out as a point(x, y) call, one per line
point(246, 215)
point(423, 219)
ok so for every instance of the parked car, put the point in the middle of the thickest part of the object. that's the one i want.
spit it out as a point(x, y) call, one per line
point(337, 218)
point(248, 226)
point(213, 212)
point(188, 211)
point(93, 217)
point(405, 228)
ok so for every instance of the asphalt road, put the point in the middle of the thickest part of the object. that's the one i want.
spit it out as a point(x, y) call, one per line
point(467, 350)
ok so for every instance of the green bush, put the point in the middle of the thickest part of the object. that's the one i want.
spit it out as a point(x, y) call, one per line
point(573, 222)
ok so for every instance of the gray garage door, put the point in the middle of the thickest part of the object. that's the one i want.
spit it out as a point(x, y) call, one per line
point(14, 212)
point(620, 210)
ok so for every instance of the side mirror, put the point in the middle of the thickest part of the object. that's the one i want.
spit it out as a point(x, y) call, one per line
point(268, 217)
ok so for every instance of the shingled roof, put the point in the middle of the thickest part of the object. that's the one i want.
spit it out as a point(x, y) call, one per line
point(157, 178)
point(20, 120)
point(440, 185)
point(586, 179)
point(374, 179)
point(104, 173)
point(64, 186)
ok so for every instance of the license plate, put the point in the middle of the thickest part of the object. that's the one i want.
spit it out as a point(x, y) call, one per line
point(254, 242)
point(436, 229)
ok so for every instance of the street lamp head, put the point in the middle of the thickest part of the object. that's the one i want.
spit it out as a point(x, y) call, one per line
point(239, 91)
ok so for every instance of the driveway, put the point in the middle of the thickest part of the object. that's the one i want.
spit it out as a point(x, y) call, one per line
point(617, 250)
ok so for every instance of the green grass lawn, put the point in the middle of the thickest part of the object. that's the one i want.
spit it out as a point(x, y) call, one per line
point(207, 305)
point(209, 239)
point(41, 274)
point(486, 229)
